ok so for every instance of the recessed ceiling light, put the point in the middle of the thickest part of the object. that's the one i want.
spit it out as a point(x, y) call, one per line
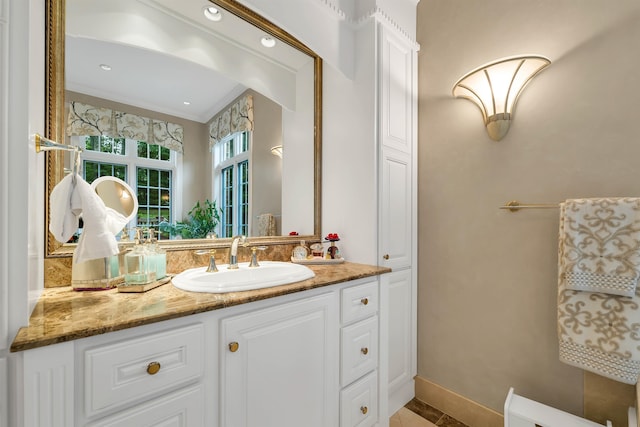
point(105, 67)
point(268, 41)
point(212, 13)
point(186, 102)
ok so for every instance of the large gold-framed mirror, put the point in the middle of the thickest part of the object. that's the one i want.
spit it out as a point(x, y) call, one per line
point(69, 25)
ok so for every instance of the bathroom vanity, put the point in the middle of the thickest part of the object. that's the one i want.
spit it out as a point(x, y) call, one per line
point(304, 354)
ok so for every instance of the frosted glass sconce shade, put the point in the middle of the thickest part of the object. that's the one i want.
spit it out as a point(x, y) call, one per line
point(277, 150)
point(495, 88)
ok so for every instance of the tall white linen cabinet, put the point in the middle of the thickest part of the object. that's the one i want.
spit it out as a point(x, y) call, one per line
point(397, 237)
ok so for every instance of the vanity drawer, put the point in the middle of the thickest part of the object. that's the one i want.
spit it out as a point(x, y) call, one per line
point(183, 408)
point(359, 350)
point(118, 373)
point(359, 403)
point(359, 301)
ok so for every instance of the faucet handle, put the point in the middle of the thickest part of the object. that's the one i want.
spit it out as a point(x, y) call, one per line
point(254, 255)
point(212, 268)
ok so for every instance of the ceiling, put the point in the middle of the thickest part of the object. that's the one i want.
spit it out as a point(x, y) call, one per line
point(183, 80)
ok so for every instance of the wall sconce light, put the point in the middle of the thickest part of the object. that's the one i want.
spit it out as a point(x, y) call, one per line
point(277, 150)
point(495, 88)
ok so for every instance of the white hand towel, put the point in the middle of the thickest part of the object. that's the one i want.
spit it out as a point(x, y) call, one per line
point(96, 240)
point(115, 221)
point(63, 221)
point(601, 239)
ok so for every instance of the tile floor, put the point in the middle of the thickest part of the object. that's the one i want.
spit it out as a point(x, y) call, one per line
point(419, 414)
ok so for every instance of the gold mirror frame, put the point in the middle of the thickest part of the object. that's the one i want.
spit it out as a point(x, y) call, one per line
point(54, 123)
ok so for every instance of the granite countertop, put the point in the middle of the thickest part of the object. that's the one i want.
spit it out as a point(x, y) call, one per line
point(63, 314)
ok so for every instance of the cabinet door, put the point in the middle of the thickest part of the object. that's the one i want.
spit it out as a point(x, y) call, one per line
point(398, 135)
point(279, 365)
point(396, 237)
point(397, 97)
point(399, 314)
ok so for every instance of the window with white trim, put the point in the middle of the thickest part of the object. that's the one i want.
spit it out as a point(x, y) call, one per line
point(231, 183)
point(149, 169)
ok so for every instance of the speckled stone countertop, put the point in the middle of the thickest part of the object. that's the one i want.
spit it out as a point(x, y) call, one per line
point(63, 314)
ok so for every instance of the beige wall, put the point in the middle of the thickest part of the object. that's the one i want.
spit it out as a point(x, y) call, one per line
point(487, 277)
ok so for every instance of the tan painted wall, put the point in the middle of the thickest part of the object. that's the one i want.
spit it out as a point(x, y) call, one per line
point(487, 277)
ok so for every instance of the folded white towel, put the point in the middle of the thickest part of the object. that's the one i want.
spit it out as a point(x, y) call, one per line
point(598, 332)
point(96, 240)
point(601, 239)
point(266, 225)
point(63, 222)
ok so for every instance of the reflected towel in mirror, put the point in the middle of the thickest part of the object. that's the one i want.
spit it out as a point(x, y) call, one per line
point(266, 225)
point(72, 198)
point(63, 221)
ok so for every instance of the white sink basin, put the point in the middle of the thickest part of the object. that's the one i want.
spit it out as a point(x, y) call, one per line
point(270, 273)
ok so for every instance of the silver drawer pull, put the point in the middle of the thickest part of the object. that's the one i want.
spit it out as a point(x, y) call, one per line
point(153, 368)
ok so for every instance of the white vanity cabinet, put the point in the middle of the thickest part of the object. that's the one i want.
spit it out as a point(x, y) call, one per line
point(309, 359)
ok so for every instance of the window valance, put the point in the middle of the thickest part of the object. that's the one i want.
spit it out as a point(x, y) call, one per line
point(84, 119)
point(238, 117)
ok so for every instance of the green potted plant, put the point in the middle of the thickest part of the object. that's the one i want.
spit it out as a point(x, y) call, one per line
point(201, 222)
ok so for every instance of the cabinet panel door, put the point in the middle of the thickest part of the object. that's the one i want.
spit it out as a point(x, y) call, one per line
point(395, 209)
point(401, 329)
point(279, 365)
point(396, 100)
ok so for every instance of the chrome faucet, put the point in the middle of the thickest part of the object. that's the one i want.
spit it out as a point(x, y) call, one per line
point(233, 251)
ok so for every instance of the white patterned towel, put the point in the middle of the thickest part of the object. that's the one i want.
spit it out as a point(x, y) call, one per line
point(601, 239)
point(598, 332)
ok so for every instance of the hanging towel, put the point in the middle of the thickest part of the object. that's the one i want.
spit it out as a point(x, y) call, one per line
point(266, 225)
point(96, 240)
point(601, 240)
point(598, 332)
point(63, 222)
point(115, 221)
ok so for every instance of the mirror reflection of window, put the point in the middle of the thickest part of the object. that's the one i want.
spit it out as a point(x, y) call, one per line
point(149, 169)
point(231, 183)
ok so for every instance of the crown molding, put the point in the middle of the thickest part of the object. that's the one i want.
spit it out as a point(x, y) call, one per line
point(376, 12)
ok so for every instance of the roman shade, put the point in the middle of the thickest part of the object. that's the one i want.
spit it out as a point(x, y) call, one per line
point(84, 119)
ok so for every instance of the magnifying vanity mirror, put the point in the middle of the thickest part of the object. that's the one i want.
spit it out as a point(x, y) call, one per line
point(117, 195)
point(187, 82)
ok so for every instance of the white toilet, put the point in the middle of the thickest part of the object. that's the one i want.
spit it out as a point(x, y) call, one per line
point(522, 412)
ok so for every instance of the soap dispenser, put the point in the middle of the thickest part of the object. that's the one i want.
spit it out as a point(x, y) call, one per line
point(137, 271)
point(158, 256)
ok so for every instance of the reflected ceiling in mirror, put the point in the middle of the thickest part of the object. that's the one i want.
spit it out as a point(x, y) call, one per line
point(194, 68)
